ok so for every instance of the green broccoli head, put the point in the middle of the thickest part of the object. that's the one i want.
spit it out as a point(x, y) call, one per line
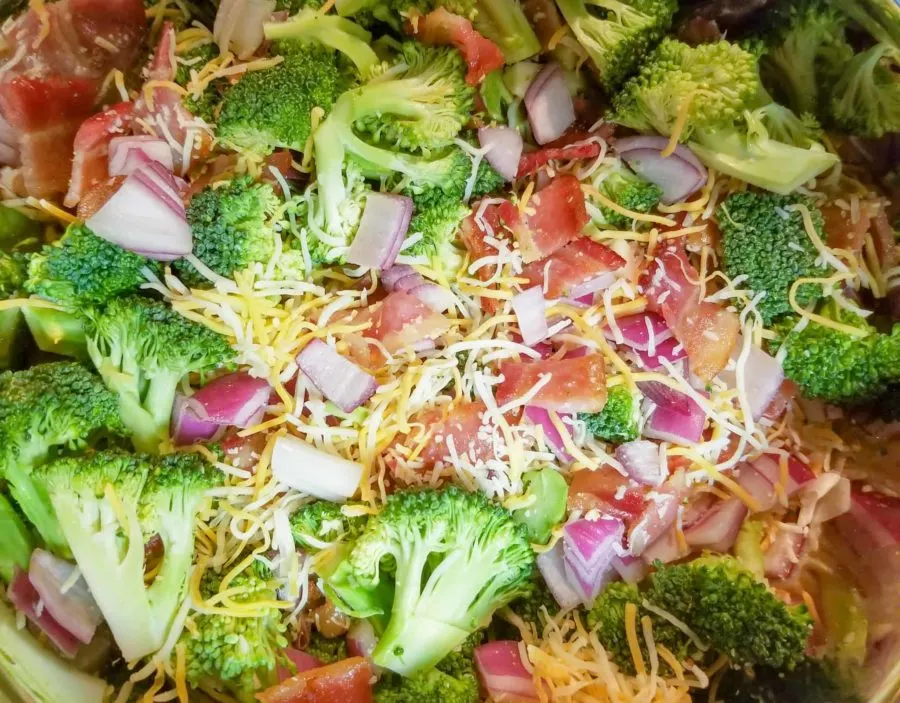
point(726, 606)
point(617, 34)
point(42, 410)
point(764, 239)
point(810, 681)
point(318, 525)
point(837, 366)
point(82, 269)
point(865, 101)
point(13, 272)
point(326, 650)
point(109, 504)
point(628, 190)
point(802, 40)
point(17, 230)
point(786, 126)
point(454, 558)
point(619, 420)
point(17, 543)
point(202, 106)
point(231, 227)
point(236, 653)
point(533, 608)
point(430, 685)
point(143, 349)
point(273, 108)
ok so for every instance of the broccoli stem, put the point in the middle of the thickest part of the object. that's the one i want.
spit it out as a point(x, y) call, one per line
point(16, 545)
point(56, 331)
point(505, 22)
point(334, 32)
point(416, 643)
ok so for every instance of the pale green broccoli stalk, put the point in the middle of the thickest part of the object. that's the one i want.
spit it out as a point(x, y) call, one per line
point(716, 87)
point(17, 229)
point(143, 349)
point(619, 421)
point(59, 332)
point(17, 543)
point(109, 504)
point(548, 493)
point(13, 271)
point(865, 101)
point(764, 239)
point(269, 109)
point(802, 39)
point(231, 654)
point(44, 410)
point(836, 366)
point(617, 34)
point(785, 126)
point(454, 558)
point(37, 674)
point(232, 229)
point(880, 18)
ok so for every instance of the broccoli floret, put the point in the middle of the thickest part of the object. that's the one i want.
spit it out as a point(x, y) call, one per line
point(865, 101)
point(403, 122)
point(880, 18)
point(709, 92)
point(13, 271)
point(109, 504)
point(619, 420)
point(42, 410)
point(628, 190)
point(810, 681)
point(431, 685)
point(231, 227)
point(764, 239)
point(785, 126)
point(82, 269)
point(17, 543)
point(455, 558)
point(798, 35)
point(143, 349)
point(617, 34)
point(38, 674)
point(322, 523)
point(273, 108)
point(237, 654)
point(730, 609)
point(836, 366)
point(326, 650)
point(205, 105)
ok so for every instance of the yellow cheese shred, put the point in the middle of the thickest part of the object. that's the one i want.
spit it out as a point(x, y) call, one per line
point(631, 634)
point(597, 195)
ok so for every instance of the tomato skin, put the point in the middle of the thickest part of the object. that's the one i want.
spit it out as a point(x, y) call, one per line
point(346, 681)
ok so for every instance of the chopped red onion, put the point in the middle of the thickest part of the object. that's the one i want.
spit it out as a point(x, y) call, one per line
point(127, 154)
point(502, 673)
point(301, 661)
point(680, 175)
point(505, 149)
point(631, 569)
point(405, 279)
point(383, 226)
point(239, 25)
point(784, 554)
point(549, 105)
point(718, 528)
point(762, 376)
point(25, 598)
point(235, 399)
point(588, 549)
point(187, 427)
point(391, 276)
point(636, 330)
point(798, 474)
point(669, 422)
point(75, 609)
point(552, 567)
point(659, 514)
point(664, 548)
point(641, 461)
point(541, 417)
point(145, 216)
point(529, 307)
point(661, 394)
point(584, 292)
point(669, 349)
point(300, 465)
point(757, 486)
point(340, 380)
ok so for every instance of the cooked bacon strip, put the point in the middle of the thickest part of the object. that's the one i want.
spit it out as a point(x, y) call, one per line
point(442, 28)
point(571, 146)
point(575, 385)
point(577, 262)
point(90, 164)
point(463, 426)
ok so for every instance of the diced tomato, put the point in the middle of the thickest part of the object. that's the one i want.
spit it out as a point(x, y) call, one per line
point(90, 164)
point(400, 320)
point(554, 216)
point(575, 263)
point(707, 331)
point(473, 238)
point(463, 427)
point(573, 145)
point(618, 495)
point(442, 28)
point(347, 681)
point(165, 113)
point(575, 385)
point(46, 114)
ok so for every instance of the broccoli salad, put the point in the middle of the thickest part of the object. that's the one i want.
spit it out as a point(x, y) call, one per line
point(408, 351)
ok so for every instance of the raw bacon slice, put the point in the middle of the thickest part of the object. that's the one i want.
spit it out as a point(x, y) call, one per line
point(90, 164)
point(400, 321)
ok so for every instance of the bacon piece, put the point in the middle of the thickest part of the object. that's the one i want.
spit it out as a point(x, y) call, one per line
point(45, 114)
point(554, 216)
point(473, 238)
point(90, 164)
point(575, 263)
point(442, 28)
point(707, 331)
point(164, 114)
point(575, 385)
point(614, 493)
point(571, 146)
point(463, 427)
point(400, 321)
